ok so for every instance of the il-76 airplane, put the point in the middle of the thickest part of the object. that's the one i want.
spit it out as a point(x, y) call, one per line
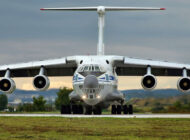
point(95, 82)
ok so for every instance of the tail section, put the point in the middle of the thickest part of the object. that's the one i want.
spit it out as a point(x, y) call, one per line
point(106, 8)
point(101, 12)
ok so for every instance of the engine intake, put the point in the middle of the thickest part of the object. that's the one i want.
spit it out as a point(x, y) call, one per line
point(149, 82)
point(183, 84)
point(41, 82)
point(7, 85)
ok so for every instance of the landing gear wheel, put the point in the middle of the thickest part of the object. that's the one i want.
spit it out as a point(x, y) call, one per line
point(75, 109)
point(113, 109)
point(80, 108)
point(88, 110)
point(97, 111)
point(118, 109)
point(130, 109)
point(125, 109)
point(65, 109)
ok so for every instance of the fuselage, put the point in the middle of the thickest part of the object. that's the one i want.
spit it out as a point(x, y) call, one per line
point(95, 79)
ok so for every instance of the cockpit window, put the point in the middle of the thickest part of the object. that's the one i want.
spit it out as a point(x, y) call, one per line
point(85, 68)
point(97, 68)
point(91, 69)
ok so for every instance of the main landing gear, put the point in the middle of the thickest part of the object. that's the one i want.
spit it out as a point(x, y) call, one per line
point(95, 110)
point(118, 109)
point(78, 109)
point(74, 109)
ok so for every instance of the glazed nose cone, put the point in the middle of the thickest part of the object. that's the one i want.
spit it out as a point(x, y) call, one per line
point(90, 81)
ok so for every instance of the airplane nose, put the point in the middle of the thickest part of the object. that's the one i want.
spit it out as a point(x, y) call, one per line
point(90, 81)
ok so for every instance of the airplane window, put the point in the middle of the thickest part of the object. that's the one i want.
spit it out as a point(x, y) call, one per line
point(107, 78)
point(90, 68)
point(86, 68)
point(76, 77)
point(81, 61)
point(81, 69)
point(97, 68)
point(107, 61)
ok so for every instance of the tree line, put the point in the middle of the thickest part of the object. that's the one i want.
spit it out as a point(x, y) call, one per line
point(181, 104)
point(39, 103)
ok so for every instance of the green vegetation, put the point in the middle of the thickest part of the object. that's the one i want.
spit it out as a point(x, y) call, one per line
point(39, 105)
point(3, 101)
point(62, 97)
point(178, 104)
point(53, 128)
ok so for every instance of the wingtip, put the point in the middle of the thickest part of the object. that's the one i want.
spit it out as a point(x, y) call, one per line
point(162, 8)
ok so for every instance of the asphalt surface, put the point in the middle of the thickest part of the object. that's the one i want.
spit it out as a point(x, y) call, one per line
point(101, 116)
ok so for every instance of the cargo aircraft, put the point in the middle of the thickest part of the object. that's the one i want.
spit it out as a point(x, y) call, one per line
point(95, 82)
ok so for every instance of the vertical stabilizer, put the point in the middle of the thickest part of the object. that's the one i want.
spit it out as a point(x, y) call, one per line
point(101, 14)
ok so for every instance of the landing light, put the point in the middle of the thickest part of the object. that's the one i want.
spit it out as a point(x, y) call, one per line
point(98, 96)
point(83, 97)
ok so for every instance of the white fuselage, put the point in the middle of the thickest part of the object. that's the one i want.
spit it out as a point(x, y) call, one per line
point(101, 67)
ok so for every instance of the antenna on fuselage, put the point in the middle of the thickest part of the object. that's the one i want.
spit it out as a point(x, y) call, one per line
point(101, 14)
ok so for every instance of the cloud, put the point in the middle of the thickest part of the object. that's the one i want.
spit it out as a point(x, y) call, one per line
point(135, 82)
point(55, 82)
point(28, 34)
point(125, 82)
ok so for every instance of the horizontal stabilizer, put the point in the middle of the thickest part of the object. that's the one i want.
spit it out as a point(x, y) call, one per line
point(101, 10)
point(104, 7)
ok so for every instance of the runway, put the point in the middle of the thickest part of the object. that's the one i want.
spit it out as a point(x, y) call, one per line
point(101, 116)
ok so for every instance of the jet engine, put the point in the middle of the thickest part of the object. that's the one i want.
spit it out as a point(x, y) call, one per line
point(7, 85)
point(183, 84)
point(149, 82)
point(41, 82)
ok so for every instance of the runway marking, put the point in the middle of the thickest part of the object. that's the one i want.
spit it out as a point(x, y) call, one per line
point(101, 116)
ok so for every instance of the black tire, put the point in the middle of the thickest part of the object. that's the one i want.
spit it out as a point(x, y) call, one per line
point(88, 110)
point(113, 109)
point(97, 111)
point(63, 108)
point(130, 109)
point(80, 108)
point(118, 109)
point(75, 109)
point(68, 109)
point(125, 109)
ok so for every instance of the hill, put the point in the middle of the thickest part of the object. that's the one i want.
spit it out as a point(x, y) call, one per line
point(159, 93)
point(26, 95)
point(50, 95)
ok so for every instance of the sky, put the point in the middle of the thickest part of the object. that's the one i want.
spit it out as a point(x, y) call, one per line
point(28, 34)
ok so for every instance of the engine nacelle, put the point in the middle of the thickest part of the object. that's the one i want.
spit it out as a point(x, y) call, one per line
point(149, 82)
point(183, 84)
point(7, 85)
point(41, 82)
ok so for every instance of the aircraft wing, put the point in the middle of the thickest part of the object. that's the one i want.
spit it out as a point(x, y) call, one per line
point(137, 67)
point(53, 67)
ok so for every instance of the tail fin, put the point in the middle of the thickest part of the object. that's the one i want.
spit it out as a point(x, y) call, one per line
point(101, 12)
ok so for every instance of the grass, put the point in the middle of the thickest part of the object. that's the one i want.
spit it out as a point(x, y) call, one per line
point(55, 128)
